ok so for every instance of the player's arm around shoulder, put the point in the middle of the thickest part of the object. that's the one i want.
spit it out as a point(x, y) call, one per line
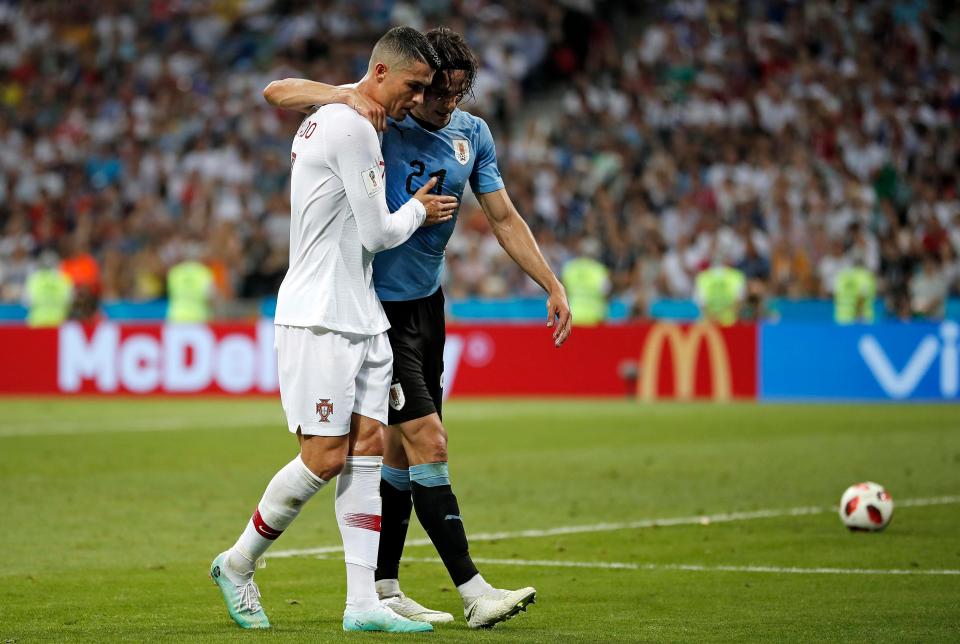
point(516, 238)
point(304, 95)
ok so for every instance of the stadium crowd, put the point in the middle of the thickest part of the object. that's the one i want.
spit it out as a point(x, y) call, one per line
point(787, 139)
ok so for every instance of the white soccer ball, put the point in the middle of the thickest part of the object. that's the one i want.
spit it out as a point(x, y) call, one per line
point(866, 506)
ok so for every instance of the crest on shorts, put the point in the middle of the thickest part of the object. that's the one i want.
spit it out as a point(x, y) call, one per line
point(397, 399)
point(461, 150)
point(324, 408)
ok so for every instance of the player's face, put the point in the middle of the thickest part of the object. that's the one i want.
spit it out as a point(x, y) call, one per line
point(403, 89)
point(442, 97)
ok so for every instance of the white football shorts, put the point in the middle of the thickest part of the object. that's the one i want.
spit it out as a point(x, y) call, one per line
point(326, 376)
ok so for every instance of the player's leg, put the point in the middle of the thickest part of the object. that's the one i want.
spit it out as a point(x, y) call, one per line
point(397, 508)
point(232, 570)
point(358, 504)
point(409, 398)
point(322, 427)
point(406, 344)
point(320, 459)
point(425, 443)
point(358, 512)
point(439, 514)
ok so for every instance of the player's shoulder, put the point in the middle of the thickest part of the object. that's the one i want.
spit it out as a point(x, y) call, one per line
point(341, 113)
point(471, 125)
point(343, 119)
point(462, 118)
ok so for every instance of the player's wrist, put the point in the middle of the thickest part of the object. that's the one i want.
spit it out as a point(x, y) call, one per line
point(419, 209)
point(555, 287)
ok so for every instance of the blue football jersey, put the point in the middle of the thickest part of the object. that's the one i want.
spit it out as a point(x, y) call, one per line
point(461, 151)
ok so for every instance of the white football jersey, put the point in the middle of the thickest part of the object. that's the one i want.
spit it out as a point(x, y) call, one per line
point(339, 220)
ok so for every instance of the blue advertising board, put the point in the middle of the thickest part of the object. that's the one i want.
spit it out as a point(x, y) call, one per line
point(822, 361)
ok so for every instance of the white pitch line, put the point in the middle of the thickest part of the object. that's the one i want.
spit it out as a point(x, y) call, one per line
point(143, 425)
point(623, 565)
point(726, 517)
point(801, 571)
point(540, 563)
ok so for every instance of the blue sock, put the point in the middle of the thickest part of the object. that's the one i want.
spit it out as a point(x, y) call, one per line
point(439, 514)
point(395, 518)
point(399, 479)
point(430, 474)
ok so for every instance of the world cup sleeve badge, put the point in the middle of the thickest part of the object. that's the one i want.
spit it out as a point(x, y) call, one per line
point(372, 180)
point(461, 151)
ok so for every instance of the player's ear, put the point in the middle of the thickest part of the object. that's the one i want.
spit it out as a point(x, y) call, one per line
point(380, 71)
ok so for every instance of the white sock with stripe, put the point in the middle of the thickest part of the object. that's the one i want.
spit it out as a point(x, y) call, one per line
point(285, 496)
point(358, 516)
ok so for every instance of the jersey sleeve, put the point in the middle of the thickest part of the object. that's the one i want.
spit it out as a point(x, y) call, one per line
point(486, 175)
point(353, 152)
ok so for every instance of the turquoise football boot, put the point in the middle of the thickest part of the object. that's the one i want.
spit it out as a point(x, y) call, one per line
point(383, 619)
point(243, 602)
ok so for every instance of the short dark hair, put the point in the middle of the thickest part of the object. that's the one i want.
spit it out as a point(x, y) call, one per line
point(455, 55)
point(407, 44)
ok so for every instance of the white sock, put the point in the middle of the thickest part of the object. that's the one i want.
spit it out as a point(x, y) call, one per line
point(388, 588)
point(359, 580)
point(285, 495)
point(472, 589)
point(358, 515)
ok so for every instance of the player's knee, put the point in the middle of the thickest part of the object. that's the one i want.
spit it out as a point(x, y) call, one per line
point(369, 444)
point(366, 436)
point(434, 443)
point(325, 465)
point(427, 439)
point(439, 455)
point(394, 455)
point(326, 470)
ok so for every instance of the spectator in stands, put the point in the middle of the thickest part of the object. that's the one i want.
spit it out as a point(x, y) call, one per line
point(83, 271)
point(15, 267)
point(929, 288)
point(831, 265)
point(678, 269)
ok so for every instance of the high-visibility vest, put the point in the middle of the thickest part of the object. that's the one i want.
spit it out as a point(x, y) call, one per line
point(852, 286)
point(586, 282)
point(719, 290)
point(49, 292)
point(188, 292)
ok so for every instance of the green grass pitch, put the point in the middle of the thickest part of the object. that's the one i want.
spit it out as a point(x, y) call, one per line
point(113, 509)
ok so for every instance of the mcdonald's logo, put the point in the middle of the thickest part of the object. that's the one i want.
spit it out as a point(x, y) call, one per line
point(684, 347)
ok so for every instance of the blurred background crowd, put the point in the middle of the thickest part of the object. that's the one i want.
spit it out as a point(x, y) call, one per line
point(785, 141)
